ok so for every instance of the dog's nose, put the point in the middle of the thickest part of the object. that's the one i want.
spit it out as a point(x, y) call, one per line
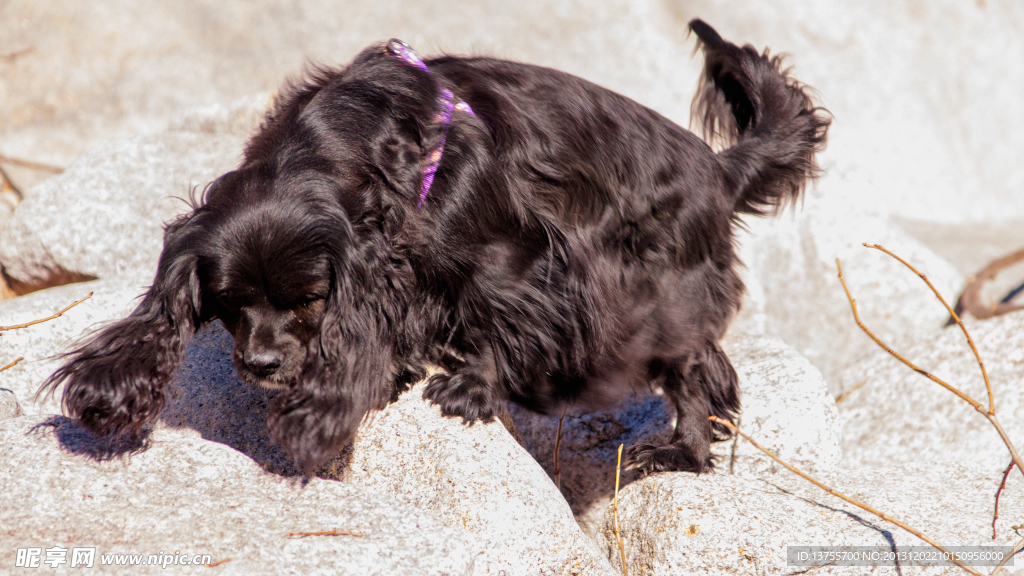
point(263, 362)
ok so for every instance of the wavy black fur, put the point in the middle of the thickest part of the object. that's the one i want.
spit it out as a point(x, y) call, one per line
point(574, 245)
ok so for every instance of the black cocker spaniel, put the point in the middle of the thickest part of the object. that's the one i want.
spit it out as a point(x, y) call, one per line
point(543, 239)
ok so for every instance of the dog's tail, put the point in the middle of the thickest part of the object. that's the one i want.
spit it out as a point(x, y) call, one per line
point(769, 120)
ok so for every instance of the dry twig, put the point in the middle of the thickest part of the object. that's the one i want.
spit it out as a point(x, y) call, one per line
point(956, 318)
point(558, 446)
point(995, 514)
point(971, 298)
point(618, 536)
point(846, 394)
point(1008, 557)
point(326, 533)
point(218, 563)
point(47, 319)
point(838, 494)
point(11, 365)
point(990, 413)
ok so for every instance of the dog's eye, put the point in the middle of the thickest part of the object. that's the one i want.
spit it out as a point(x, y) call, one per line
point(309, 300)
point(229, 300)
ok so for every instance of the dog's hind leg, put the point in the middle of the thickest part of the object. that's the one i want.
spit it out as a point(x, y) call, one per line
point(708, 387)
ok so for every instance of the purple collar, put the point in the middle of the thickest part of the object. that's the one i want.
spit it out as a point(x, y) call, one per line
point(448, 105)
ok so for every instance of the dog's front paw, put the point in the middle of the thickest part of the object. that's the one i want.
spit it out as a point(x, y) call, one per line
point(672, 458)
point(466, 395)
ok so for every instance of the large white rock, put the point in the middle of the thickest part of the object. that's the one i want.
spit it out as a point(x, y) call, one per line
point(786, 408)
point(104, 216)
point(717, 524)
point(901, 416)
point(176, 492)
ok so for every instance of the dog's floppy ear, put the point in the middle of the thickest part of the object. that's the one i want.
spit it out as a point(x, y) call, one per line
point(348, 368)
point(115, 380)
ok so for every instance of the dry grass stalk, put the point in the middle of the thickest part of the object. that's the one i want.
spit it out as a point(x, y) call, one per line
point(12, 364)
point(618, 535)
point(846, 394)
point(47, 319)
point(325, 533)
point(842, 496)
point(995, 514)
point(990, 413)
point(558, 446)
point(1008, 557)
point(218, 563)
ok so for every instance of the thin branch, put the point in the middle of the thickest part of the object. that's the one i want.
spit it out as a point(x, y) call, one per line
point(1008, 557)
point(971, 297)
point(11, 365)
point(558, 446)
point(853, 305)
point(1009, 444)
point(846, 394)
point(218, 563)
point(984, 373)
point(995, 515)
point(30, 164)
point(618, 537)
point(838, 494)
point(325, 533)
point(988, 414)
point(47, 319)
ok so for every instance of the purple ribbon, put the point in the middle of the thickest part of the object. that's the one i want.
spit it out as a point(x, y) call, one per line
point(446, 100)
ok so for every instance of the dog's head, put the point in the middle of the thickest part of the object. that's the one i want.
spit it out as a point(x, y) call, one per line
point(268, 270)
point(295, 252)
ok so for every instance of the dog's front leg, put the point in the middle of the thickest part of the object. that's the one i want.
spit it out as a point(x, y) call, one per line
point(470, 392)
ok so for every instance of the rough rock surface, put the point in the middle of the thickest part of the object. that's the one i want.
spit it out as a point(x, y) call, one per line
point(718, 524)
point(113, 204)
point(478, 479)
point(901, 416)
point(786, 407)
point(185, 494)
